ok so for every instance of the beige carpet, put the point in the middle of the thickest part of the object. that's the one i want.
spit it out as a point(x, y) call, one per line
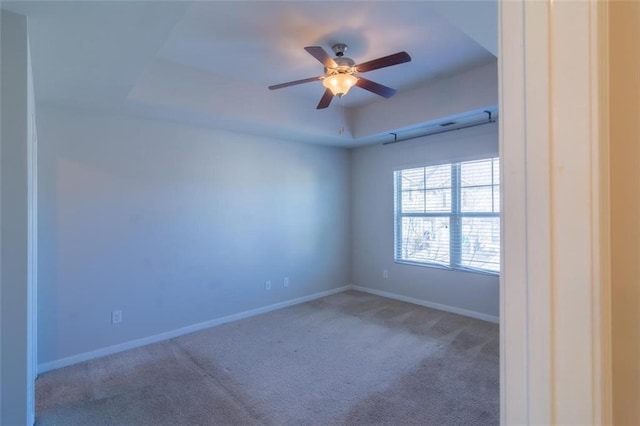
point(348, 359)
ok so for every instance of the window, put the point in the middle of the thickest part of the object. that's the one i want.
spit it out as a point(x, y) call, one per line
point(449, 215)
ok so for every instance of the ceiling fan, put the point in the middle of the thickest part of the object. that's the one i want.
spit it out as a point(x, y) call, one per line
point(341, 73)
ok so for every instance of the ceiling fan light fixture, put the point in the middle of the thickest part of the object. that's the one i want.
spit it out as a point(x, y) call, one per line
point(339, 84)
point(340, 73)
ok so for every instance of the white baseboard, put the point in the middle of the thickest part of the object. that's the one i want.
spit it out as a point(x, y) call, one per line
point(74, 359)
point(446, 308)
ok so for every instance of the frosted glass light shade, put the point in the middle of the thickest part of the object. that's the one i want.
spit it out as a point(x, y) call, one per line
point(339, 84)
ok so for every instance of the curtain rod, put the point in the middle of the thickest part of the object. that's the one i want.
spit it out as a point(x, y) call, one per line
point(482, 123)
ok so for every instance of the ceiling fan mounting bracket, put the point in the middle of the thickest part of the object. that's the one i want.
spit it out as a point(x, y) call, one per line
point(339, 49)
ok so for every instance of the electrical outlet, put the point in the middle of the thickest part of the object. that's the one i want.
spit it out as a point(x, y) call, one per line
point(267, 285)
point(116, 317)
point(385, 274)
point(286, 281)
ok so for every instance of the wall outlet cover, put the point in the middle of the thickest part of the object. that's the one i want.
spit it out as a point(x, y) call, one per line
point(116, 317)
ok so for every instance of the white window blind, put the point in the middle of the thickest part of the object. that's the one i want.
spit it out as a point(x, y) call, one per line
point(449, 215)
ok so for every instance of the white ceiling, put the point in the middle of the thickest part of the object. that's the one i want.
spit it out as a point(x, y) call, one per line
point(209, 63)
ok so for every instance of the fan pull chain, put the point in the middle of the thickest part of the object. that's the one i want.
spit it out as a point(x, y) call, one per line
point(344, 119)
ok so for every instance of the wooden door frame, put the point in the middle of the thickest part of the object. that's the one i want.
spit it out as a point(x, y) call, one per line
point(554, 286)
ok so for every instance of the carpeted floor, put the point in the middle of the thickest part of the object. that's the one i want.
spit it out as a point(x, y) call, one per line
point(348, 359)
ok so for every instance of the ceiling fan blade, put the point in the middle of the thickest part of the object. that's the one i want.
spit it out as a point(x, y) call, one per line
point(376, 88)
point(325, 100)
point(321, 55)
point(293, 83)
point(386, 61)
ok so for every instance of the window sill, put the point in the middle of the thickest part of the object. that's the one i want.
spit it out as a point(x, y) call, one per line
point(446, 268)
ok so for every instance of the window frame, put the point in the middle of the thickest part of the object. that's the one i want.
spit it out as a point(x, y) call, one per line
point(455, 216)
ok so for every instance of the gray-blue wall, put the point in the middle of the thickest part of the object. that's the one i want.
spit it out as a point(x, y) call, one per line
point(372, 228)
point(177, 226)
point(16, 385)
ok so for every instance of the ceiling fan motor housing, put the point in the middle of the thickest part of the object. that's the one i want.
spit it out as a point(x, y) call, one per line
point(345, 66)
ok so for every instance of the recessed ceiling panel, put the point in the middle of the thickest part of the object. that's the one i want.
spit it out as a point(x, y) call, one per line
point(214, 60)
point(263, 42)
